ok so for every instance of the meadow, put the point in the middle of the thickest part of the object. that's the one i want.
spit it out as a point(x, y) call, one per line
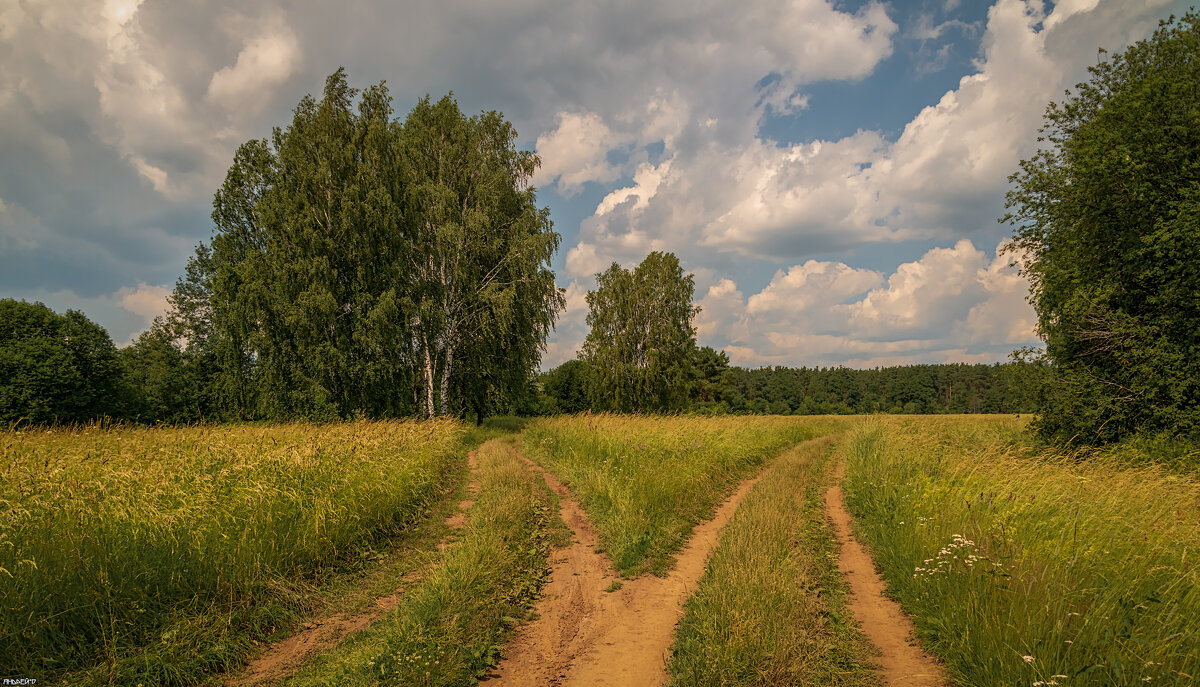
point(771, 606)
point(1027, 567)
point(170, 556)
point(157, 555)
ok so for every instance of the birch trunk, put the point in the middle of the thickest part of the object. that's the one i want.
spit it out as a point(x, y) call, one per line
point(445, 381)
point(429, 380)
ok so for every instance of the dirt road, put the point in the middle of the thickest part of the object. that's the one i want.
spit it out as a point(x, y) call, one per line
point(585, 635)
point(282, 658)
point(903, 663)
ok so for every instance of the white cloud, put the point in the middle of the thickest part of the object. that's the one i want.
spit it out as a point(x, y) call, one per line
point(144, 299)
point(271, 55)
point(944, 176)
point(813, 284)
point(952, 305)
point(575, 152)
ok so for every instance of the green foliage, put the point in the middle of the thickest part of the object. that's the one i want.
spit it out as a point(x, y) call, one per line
point(771, 607)
point(366, 267)
point(646, 481)
point(565, 386)
point(163, 382)
point(639, 350)
point(1108, 218)
point(55, 368)
point(1017, 568)
point(908, 389)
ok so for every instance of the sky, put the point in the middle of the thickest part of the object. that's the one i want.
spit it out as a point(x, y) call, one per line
point(831, 172)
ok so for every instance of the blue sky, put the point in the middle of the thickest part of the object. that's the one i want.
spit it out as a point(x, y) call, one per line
point(830, 172)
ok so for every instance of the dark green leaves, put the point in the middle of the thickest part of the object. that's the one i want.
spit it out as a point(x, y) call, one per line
point(639, 350)
point(1108, 217)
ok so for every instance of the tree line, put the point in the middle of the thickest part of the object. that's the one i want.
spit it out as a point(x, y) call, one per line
point(718, 388)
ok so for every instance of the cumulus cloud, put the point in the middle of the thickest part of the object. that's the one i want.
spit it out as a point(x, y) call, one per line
point(270, 56)
point(952, 305)
point(576, 152)
point(144, 299)
point(943, 176)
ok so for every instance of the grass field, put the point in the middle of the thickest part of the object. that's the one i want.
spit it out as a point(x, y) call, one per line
point(450, 628)
point(156, 555)
point(770, 609)
point(646, 481)
point(1025, 569)
point(160, 556)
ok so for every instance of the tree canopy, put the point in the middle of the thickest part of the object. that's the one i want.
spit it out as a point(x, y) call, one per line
point(55, 368)
point(640, 347)
point(364, 266)
point(1107, 215)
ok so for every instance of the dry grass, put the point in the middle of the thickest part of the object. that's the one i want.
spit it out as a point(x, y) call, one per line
point(151, 554)
point(1021, 568)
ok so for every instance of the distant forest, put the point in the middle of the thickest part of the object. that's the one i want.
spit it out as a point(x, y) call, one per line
point(718, 388)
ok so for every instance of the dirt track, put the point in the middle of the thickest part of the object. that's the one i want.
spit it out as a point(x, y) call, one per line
point(903, 663)
point(282, 658)
point(587, 636)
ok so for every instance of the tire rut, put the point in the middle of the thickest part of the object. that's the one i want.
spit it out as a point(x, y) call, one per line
point(281, 659)
point(902, 662)
point(585, 635)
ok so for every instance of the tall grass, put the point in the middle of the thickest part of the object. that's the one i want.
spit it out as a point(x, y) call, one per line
point(144, 551)
point(449, 629)
point(771, 606)
point(1024, 569)
point(646, 481)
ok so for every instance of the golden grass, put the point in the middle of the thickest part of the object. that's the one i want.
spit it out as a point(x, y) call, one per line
point(113, 541)
point(1020, 568)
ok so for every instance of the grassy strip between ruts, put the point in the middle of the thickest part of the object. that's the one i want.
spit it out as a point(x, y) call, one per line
point(646, 481)
point(771, 607)
point(1024, 569)
point(449, 628)
point(158, 555)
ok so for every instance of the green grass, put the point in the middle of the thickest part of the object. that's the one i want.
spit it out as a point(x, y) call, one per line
point(450, 627)
point(771, 606)
point(157, 555)
point(646, 481)
point(1020, 568)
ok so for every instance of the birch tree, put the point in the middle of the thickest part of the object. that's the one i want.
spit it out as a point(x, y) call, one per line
point(482, 297)
point(642, 339)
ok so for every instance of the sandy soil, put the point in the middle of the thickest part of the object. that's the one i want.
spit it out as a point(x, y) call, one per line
point(585, 635)
point(282, 658)
point(903, 663)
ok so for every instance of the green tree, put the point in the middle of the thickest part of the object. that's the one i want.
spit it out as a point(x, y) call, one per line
point(640, 347)
point(565, 385)
point(482, 297)
point(364, 266)
point(55, 367)
point(1108, 217)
